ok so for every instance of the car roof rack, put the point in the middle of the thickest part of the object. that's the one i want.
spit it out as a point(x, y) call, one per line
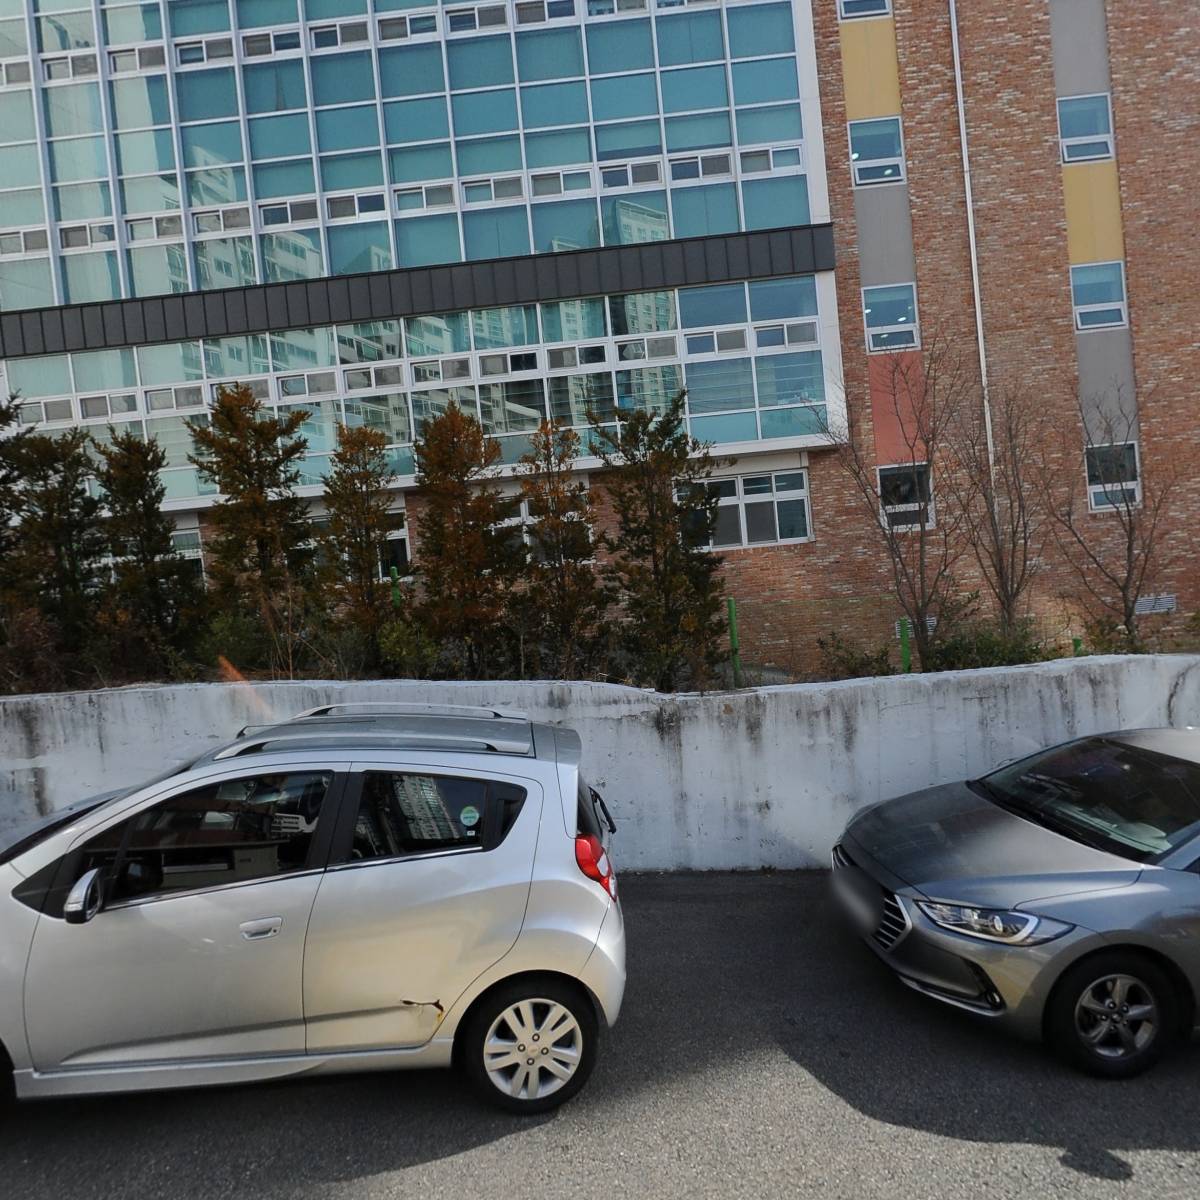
point(391, 708)
point(265, 743)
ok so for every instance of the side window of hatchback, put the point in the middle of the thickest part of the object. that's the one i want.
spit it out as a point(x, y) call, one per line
point(229, 831)
point(402, 813)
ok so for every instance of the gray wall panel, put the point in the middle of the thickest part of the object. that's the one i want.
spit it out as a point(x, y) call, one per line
point(1079, 38)
point(1106, 381)
point(688, 261)
point(885, 249)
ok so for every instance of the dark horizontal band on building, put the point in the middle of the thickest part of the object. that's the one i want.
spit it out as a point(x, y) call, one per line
point(379, 295)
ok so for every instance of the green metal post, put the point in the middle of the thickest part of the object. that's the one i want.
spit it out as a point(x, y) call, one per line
point(735, 658)
point(905, 646)
point(395, 574)
point(1077, 642)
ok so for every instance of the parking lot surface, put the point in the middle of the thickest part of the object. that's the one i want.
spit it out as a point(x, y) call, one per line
point(761, 1052)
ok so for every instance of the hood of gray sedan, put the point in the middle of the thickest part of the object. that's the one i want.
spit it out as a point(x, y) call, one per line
point(950, 843)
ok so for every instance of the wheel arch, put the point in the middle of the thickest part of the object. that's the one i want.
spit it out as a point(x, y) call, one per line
point(1165, 963)
point(559, 977)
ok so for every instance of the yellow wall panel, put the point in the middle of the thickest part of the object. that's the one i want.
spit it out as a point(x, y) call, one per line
point(1093, 198)
point(869, 70)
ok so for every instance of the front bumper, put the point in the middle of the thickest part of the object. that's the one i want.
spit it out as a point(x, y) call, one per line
point(1006, 984)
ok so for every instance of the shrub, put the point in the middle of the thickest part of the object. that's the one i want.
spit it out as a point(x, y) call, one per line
point(841, 659)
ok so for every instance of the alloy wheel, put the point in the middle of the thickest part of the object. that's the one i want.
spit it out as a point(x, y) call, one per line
point(533, 1049)
point(1117, 1016)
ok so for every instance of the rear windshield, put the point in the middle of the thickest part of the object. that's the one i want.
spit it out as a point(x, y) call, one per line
point(1119, 798)
point(588, 819)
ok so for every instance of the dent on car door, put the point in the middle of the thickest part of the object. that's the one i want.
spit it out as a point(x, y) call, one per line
point(427, 888)
point(197, 952)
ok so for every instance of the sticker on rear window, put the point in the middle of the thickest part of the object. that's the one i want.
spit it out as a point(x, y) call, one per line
point(469, 816)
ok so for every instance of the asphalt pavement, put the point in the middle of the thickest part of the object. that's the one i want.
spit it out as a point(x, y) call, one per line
point(762, 1052)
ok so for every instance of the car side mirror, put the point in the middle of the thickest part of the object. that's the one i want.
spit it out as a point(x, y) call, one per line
point(85, 899)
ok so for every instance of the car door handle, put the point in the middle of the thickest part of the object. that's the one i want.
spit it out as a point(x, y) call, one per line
point(255, 931)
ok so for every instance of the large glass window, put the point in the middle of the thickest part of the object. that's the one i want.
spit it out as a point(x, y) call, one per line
point(1112, 476)
point(690, 38)
point(360, 247)
point(449, 333)
point(156, 270)
point(760, 29)
point(257, 13)
point(341, 78)
point(225, 262)
point(485, 112)
point(559, 148)
point(1085, 128)
point(278, 137)
point(518, 406)
point(496, 328)
point(773, 203)
point(876, 151)
point(720, 385)
point(637, 217)
point(550, 104)
point(292, 255)
point(575, 399)
point(648, 389)
point(642, 312)
point(704, 210)
point(632, 139)
point(718, 304)
point(624, 96)
point(73, 110)
point(483, 156)
point(89, 277)
point(211, 145)
point(416, 120)
point(566, 225)
point(421, 162)
point(275, 86)
point(500, 233)
point(411, 70)
point(149, 150)
point(16, 117)
point(774, 299)
point(1098, 294)
point(223, 833)
point(692, 88)
point(549, 54)
point(293, 177)
point(765, 80)
point(573, 320)
point(204, 95)
point(769, 126)
point(480, 62)
point(619, 46)
point(133, 23)
point(785, 379)
point(191, 17)
point(421, 241)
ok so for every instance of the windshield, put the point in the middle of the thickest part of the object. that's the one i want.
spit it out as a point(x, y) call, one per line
point(1119, 798)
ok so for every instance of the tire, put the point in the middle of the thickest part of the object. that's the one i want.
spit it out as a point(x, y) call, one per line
point(551, 1028)
point(1091, 1021)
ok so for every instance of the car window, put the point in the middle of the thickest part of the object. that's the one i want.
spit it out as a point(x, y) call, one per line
point(1125, 799)
point(229, 831)
point(403, 813)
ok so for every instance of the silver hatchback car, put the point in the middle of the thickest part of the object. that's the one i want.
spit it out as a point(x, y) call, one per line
point(360, 888)
point(1058, 896)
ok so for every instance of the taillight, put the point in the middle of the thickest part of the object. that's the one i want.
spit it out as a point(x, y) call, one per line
point(595, 863)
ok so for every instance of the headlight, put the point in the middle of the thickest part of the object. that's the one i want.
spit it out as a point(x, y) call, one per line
point(994, 925)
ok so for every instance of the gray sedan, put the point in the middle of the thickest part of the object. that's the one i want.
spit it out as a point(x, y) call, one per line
point(1058, 896)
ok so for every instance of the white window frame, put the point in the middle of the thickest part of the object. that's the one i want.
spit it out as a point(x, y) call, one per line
point(628, 167)
point(1064, 143)
point(361, 23)
point(379, 378)
point(214, 50)
point(740, 500)
point(288, 202)
point(496, 14)
point(191, 395)
point(395, 20)
point(843, 15)
point(898, 161)
point(915, 327)
point(886, 511)
point(1122, 305)
point(703, 161)
point(228, 219)
point(1096, 491)
point(491, 182)
point(425, 191)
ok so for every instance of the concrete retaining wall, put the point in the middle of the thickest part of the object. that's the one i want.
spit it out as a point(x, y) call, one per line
point(745, 779)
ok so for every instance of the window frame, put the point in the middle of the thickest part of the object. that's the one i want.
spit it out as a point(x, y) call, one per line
point(915, 327)
point(174, 787)
point(1095, 490)
point(740, 500)
point(351, 797)
point(898, 161)
point(843, 15)
point(1064, 143)
point(888, 510)
point(1122, 305)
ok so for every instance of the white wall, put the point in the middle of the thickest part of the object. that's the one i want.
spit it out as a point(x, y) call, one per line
point(757, 778)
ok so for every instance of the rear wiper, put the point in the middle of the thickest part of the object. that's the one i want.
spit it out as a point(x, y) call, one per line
point(599, 799)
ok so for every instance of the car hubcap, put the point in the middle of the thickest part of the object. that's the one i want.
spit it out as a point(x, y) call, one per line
point(533, 1048)
point(1117, 1016)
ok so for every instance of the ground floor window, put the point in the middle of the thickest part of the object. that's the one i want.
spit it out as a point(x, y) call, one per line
point(758, 510)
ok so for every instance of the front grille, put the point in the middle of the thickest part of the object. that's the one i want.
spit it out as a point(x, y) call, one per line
point(893, 924)
point(840, 857)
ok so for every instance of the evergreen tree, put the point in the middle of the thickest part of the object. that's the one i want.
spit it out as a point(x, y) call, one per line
point(11, 437)
point(52, 564)
point(564, 594)
point(468, 563)
point(667, 581)
point(152, 608)
point(357, 503)
point(261, 549)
